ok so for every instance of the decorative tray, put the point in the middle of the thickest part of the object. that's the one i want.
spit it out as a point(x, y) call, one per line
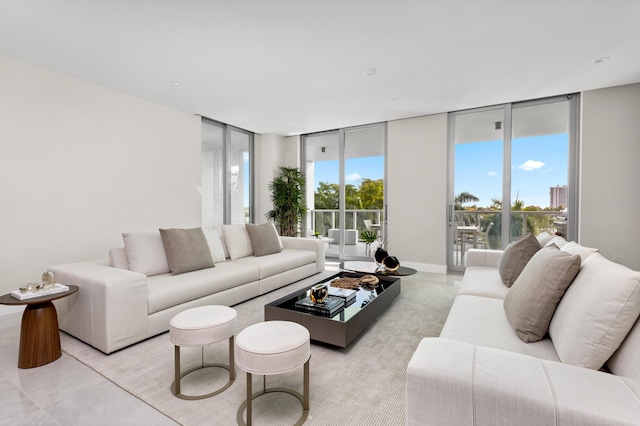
point(57, 288)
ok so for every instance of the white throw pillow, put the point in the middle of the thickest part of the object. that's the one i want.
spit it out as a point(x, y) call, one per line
point(237, 241)
point(145, 253)
point(596, 313)
point(215, 244)
point(557, 240)
point(543, 238)
point(574, 248)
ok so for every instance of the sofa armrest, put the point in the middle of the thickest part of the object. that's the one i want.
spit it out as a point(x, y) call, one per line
point(312, 244)
point(481, 257)
point(455, 383)
point(109, 311)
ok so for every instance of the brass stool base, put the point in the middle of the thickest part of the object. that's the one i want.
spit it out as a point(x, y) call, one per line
point(304, 399)
point(195, 397)
point(175, 385)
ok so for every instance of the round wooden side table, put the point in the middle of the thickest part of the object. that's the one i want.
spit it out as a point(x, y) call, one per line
point(39, 332)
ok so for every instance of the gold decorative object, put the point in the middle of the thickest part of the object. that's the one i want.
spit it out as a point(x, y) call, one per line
point(345, 282)
point(319, 293)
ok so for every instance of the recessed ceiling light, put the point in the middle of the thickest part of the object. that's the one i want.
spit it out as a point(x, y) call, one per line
point(601, 60)
point(370, 71)
point(176, 83)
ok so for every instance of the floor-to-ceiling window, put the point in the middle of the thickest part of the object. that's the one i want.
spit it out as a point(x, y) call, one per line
point(513, 171)
point(226, 182)
point(345, 172)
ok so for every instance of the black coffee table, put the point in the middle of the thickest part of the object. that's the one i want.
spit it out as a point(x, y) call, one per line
point(372, 268)
point(341, 329)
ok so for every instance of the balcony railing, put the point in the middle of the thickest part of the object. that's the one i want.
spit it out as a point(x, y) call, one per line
point(322, 220)
point(522, 222)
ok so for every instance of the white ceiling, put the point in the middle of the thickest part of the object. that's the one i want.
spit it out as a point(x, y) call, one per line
point(298, 66)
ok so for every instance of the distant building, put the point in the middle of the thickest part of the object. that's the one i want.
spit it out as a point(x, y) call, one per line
point(558, 196)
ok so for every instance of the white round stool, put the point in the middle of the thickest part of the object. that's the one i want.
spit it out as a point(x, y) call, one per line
point(273, 347)
point(199, 327)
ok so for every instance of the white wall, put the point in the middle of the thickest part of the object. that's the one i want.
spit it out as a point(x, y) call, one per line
point(417, 191)
point(610, 199)
point(268, 152)
point(80, 164)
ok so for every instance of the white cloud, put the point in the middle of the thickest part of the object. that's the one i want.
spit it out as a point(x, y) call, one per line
point(531, 165)
point(353, 177)
point(492, 173)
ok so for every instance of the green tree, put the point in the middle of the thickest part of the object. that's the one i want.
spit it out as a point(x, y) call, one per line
point(463, 198)
point(326, 196)
point(372, 194)
point(352, 197)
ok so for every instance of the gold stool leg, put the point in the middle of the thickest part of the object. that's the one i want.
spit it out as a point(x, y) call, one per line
point(176, 352)
point(175, 386)
point(249, 399)
point(304, 398)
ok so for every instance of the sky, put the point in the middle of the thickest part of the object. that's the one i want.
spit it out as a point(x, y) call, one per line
point(537, 163)
point(356, 169)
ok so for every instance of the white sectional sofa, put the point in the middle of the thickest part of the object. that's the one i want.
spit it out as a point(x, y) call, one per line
point(117, 306)
point(479, 372)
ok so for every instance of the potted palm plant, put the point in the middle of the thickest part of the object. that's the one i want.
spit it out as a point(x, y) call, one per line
point(287, 196)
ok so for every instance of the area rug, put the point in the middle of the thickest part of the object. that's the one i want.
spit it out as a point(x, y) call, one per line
point(362, 384)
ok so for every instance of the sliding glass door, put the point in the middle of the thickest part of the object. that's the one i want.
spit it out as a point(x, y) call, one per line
point(226, 177)
point(345, 172)
point(513, 172)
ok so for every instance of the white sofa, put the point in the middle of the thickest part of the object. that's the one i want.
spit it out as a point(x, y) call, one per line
point(478, 372)
point(116, 307)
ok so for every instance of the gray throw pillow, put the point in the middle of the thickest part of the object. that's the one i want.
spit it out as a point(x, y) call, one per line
point(186, 249)
point(533, 298)
point(515, 258)
point(264, 239)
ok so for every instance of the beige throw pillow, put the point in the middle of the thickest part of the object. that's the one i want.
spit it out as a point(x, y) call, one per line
point(187, 250)
point(515, 258)
point(264, 239)
point(596, 313)
point(534, 296)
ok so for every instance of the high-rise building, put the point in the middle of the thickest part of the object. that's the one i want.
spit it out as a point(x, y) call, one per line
point(558, 196)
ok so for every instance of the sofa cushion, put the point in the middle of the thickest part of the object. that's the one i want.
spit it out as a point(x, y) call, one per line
point(264, 239)
point(237, 241)
point(483, 281)
point(596, 313)
point(215, 245)
point(482, 321)
point(187, 250)
point(118, 258)
point(145, 252)
point(165, 291)
point(533, 298)
point(286, 260)
point(575, 248)
point(515, 258)
point(626, 360)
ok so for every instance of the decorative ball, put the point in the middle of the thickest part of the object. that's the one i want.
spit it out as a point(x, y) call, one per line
point(380, 255)
point(391, 263)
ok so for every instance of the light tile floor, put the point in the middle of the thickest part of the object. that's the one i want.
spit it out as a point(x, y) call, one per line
point(64, 392)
